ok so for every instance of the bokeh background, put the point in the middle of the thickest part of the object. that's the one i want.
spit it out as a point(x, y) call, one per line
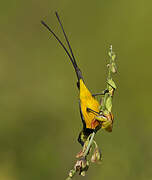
point(39, 114)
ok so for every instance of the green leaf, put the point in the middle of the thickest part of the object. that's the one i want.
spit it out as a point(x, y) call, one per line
point(111, 83)
point(113, 56)
point(109, 103)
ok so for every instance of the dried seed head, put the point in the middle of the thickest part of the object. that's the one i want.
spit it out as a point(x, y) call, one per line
point(96, 157)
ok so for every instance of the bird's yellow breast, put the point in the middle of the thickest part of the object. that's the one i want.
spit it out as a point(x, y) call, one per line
point(88, 101)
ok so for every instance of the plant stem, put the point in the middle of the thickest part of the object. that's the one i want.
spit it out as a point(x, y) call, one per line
point(73, 171)
point(89, 144)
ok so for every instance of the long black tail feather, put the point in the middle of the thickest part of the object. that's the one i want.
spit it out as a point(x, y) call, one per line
point(71, 56)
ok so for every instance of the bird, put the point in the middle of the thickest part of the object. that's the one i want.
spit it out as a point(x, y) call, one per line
point(92, 117)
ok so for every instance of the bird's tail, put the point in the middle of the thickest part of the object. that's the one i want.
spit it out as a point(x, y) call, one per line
point(70, 54)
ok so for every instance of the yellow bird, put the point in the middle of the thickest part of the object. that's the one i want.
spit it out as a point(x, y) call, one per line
point(89, 106)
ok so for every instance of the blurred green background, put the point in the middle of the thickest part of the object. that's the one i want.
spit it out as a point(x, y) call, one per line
point(39, 114)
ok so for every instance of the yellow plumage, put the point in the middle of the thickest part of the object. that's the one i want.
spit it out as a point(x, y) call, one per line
point(88, 101)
